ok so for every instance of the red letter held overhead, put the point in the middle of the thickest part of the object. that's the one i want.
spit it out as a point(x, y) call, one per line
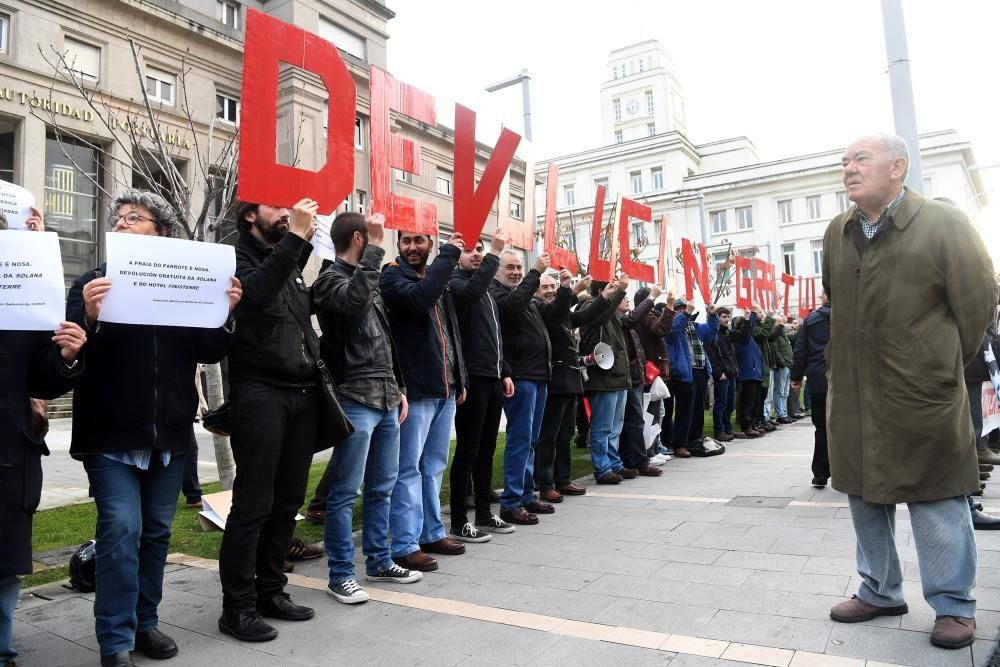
point(743, 285)
point(664, 255)
point(392, 151)
point(600, 269)
point(472, 204)
point(788, 282)
point(693, 271)
point(630, 267)
point(559, 256)
point(269, 42)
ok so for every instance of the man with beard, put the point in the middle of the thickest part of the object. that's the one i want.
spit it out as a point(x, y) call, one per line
point(527, 349)
point(477, 420)
point(423, 322)
point(552, 455)
point(276, 403)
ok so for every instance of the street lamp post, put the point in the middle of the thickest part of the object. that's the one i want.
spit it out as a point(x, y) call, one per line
point(523, 78)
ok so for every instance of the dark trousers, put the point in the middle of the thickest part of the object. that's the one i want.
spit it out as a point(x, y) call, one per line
point(632, 444)
point(699, 388)
point(821, 459)
point(190, 486)
point(749, 412)
point(477, 422)
point(794, 407)
point(582, 422)
point(274, 433)
point(552, 457)
point(725, 403)
point(683, 398)
point(760, 398)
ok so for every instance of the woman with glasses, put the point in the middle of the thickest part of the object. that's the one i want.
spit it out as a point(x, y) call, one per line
point(132, 429)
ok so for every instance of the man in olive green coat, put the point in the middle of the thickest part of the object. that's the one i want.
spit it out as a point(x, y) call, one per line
point(911, 289)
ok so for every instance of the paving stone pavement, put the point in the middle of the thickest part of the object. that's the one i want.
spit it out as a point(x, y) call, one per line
point(654, 571)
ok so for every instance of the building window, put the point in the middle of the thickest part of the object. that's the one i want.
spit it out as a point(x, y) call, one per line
point(616, 106)
point(444, 182)
point(657, 174)
point(650, 129)
point(82, 60)
point(7, 133)
point(359, 135)
point(817, 255)
point(636, 178)
point(228, 12)
point(749, 254)
point(569, 196)
point(614, 71)
point(843, 203)
point(602, 181)
point(403, 176)
point(641, 65)
point(618, 136)
point(785, 211)
point(718, 219)
point(719, 259)
point(227, 109)
point(359, 200)
point(649, 102)
point(788, 258)
point(4, 33)
point(72, 202)
point(814, 208)
point(159, 86)
point(639, 234)
point(345, 40)
point(744, 218)
point(516, 206)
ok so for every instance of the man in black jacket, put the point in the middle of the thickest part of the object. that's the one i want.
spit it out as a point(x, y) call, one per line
point(133, 447)
point(810, 361)
point(424, 326)
point(527, 349)
point(552, 455)
point(357, 346)
point(477, 420)
point(37, 365)
point(725, 369)
point(276, 404)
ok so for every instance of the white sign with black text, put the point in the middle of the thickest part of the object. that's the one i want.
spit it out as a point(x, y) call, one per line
point(32, 291)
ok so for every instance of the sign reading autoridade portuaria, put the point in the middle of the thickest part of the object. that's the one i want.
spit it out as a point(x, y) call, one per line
point(168, 282)
point(32, 290)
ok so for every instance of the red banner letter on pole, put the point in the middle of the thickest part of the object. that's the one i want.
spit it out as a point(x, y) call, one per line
point(664, 255)
point(743, 286)
point(632, 268)
point(599, 269)
point(390, 151)
point(695, 272)
point(559, 256)
point(788, 281)
point(269, 42)
point(472, 205)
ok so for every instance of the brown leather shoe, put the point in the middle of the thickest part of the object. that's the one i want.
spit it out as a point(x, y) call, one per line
point(628, 473)
point(518, 515)
point(417, 560)
point(535, 507)
point(953, 631)
point(550, 496)
point(610, 478)
point(650, 471)
point(299, 550)
point(682, 453)
point(445, 546)
point(857, 610)
point(572, 490)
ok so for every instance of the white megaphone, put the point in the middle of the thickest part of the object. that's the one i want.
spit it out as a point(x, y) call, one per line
point(602, 357)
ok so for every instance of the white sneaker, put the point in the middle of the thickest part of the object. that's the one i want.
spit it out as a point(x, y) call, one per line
point(395, 574)
point(495, 525)
point(659, 459)
point(347, 592)
point(470, 534)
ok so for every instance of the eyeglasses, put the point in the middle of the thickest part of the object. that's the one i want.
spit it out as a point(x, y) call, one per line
point(132, 219)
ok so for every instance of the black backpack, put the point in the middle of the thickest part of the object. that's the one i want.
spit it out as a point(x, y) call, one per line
point(82, 567)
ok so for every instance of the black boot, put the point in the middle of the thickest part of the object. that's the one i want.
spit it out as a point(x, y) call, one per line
point(281, 606)
point(982, 521)
point(123, 659)
point(154, 644)
point(246, 626)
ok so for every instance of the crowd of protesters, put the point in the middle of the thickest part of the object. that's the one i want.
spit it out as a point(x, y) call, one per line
point(413, 349)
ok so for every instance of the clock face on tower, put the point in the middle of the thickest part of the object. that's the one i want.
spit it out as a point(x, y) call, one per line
point(632, 107)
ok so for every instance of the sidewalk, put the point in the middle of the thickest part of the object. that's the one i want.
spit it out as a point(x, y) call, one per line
point(733, 560)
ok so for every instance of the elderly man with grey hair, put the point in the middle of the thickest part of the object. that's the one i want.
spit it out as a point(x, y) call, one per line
point(911, 290)
point(131, 429)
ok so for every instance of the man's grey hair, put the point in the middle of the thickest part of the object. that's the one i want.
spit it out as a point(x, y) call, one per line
point(163, 214)
point(508, 251)
point(895, 147)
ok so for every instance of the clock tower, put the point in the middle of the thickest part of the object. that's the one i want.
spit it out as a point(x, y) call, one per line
point(641, 96)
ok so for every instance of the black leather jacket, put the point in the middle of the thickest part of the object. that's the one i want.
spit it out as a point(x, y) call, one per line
point(479, 320)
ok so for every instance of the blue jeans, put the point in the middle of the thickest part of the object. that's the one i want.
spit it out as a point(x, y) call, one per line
point(725, 403)
point(134, 511)
point(781, 376)
point(369, 455)
point(607, 414)
point(10, 585)
point(524, 412)
point(946, 554)
point(769, 395)
point(424, 439)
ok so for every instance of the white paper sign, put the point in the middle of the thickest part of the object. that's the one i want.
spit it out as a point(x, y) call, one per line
point(16, 203)
point(321, 242)
point(32, 291)
point(168, 282)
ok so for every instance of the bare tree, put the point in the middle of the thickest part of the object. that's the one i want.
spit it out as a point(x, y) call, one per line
point(150, 162)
